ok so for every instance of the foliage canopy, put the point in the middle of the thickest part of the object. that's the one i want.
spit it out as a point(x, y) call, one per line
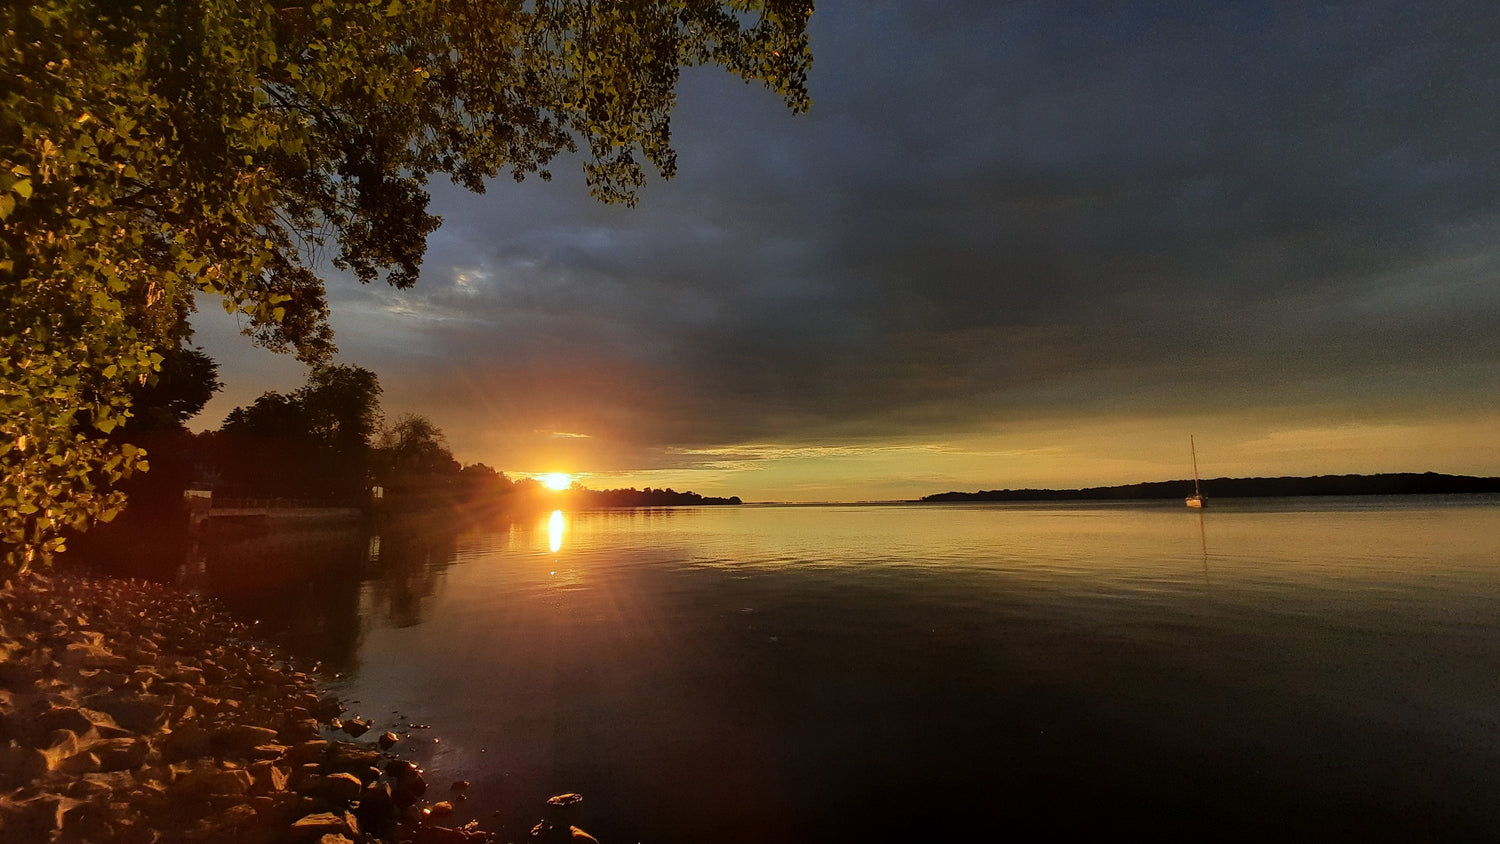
point(311, 443)
point(158, 150)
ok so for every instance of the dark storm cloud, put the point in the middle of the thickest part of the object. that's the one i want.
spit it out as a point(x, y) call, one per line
point(998, 209)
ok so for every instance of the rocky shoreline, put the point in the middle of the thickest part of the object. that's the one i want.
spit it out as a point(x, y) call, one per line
point(134, 713)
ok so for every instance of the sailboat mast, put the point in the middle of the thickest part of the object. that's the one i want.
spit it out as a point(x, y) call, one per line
point(1194, 446)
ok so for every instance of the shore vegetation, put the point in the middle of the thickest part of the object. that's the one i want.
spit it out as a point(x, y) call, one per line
point(155, 152)
point(1391, 483)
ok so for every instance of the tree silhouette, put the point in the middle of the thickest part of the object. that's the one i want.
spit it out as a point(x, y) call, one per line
point(153, 151)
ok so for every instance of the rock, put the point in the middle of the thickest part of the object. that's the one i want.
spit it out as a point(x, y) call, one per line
point(12, 757)
point(187, 741)
point(88, 655)
point(88, 637)
point(64, 718)
point(121, 754)
point(563, 809)
point(81, 764)
point(308, 751)
point(87, 786)
point(377, 809)
point(342, 787)
point(308, 777)
point(240, 738)
point(178, 713)
point(267, 778)
point(407, 780)
point(300, 730)
point(545, 833)
point(234, 817)
point(35, 818)
point(61, 748)
point(188, 674)
point(201, 782)
point(278, 809)
point(314, 827)
point(63, 743)
point(558, 826)
point(343, 756)
point(396, 767)
point(87, 821)
point(139, 713)
point(459, 785)
point(266, 751)
point(110, 678)
point(126, 699)
point(441, 810)
point(327, 707)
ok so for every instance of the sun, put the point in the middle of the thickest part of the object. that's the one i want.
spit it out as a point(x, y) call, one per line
point(556, 480)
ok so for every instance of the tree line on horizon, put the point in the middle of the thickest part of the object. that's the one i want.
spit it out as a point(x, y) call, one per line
point(1389, 483)
point(327, 443)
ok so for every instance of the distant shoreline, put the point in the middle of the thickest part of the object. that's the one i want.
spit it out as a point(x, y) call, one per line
point(1399, 483)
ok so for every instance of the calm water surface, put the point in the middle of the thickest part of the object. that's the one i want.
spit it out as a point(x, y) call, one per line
point(1289, 669)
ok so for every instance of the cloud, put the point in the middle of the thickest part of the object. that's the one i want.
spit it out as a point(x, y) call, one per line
point(997, 213)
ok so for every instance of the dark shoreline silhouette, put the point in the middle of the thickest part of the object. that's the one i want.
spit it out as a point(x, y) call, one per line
point(1399, 483)
point(608, 499)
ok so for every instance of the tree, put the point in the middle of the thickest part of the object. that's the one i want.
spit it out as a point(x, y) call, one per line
point(187, 379)
point(162, 149)
point(412, 460)
point(341, 407)
point(313, 443)
point(414, 445)
point(160, 409)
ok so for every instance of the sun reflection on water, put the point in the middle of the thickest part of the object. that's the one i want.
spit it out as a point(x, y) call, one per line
point(555, 527)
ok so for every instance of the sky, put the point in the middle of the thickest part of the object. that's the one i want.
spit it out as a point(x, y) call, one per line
point(1014, 244)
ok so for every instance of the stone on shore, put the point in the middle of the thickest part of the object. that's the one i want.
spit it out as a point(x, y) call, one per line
point(131, 714)
point(314, 827)
point(342, 788)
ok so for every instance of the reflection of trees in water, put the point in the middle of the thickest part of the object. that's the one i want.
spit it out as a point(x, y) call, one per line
point(299, 581)
point(406, 568)
point(302, 583)
point(306, 587)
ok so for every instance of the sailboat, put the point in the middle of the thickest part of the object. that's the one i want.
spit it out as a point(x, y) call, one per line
point(1196, 499)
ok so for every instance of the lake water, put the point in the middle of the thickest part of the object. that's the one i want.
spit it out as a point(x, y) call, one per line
point(1270, 669)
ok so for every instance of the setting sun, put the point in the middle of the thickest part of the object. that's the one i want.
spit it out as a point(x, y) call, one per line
point(556, 480)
